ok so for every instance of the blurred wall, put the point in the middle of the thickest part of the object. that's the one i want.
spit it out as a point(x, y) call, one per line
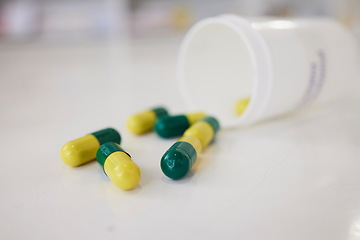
point(29, 20)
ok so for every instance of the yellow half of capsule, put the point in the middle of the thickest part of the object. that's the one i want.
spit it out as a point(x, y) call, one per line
point(80, 151)
point(240, 106)
point(202, 131)
point(194, 117)
point(194, 141)
point(142, 122)
point(122, 171)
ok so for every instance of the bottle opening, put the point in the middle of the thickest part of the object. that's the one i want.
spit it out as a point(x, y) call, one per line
point(216, 69)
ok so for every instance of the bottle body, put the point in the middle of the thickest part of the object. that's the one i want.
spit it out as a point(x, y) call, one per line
point(280, 65)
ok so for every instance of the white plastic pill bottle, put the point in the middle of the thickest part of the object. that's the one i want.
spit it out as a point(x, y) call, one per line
point(281, 65)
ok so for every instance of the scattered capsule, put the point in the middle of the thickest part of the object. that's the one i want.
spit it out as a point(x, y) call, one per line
point(143, 122)
point(83, 150)
point(118, 166)
point(178, 160)
point(240, 106)
point(172, 126)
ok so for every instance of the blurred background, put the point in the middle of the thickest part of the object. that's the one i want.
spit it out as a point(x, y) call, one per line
point(80, 20)
point(72, 67)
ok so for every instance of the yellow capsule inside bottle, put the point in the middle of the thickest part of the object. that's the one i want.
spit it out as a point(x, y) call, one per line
point(240, 106)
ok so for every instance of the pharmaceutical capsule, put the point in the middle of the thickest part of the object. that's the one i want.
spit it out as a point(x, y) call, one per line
point(178, 160)
point(118, 166)
point(83, 150)
point(172, 126)
point(240, 106)
point(143, 122)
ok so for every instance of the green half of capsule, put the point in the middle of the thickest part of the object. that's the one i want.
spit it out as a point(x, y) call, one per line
point(107, 135)
point(178, 160)
point(160, 111)
point(173, 126)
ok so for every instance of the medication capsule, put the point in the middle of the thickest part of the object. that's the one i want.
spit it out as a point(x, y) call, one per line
point(240, 106)
point(143, 122)
point(178, 160)
point(118, 166)
point(83, 150)
point(172, 126)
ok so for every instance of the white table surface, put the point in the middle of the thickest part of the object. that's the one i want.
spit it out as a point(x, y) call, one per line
point(292, 178)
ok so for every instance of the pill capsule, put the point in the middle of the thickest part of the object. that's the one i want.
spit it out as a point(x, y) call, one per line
point(118, 166)
point(172, 126)
point(240, 106)
point(83, 150)
point(143, 122)
point(178, 160)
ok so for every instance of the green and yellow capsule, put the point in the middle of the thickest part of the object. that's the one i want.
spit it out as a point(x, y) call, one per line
point(143, 122)
point(118, 166)
point(173, 126)
point(240, 106)
point(83, 150)
point(178, 160)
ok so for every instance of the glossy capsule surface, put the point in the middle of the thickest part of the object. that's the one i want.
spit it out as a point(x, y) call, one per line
point(173, 126)
point(240, 106)
point(181, 156)
point(143, 122)
point(118, 166)
point(83, 150)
